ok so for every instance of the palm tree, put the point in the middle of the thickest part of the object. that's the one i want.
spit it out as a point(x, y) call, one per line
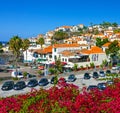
point(15, 44)
point(58, 65)
point(41, 41)
point(25, 45)
point(104, 62)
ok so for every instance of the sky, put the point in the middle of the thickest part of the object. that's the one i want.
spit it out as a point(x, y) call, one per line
point(28, 18)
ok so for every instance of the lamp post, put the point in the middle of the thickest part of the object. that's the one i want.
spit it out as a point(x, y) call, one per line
point(46, 68)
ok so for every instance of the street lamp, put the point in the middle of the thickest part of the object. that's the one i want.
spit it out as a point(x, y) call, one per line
point(46, 68)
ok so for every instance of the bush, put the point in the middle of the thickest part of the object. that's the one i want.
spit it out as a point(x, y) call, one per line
point(15, 78)
point(39, 72)
point(25, 74)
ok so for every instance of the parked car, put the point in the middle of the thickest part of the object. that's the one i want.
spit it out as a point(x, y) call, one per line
point(32, 83)
point(108, 72)
point(43, 82)
point(41, 67)
point(71, 78)
point(30, 75)
point(87, 76)
point(17, 74)
point(95, 75)
point(101, 73)
point(19, 85)
point(92, 87)
point(8, 85)
point(101, 86)
point(109, 82)
point(34, 67)
point(61, 80)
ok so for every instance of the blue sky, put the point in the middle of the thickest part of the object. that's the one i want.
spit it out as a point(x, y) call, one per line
point(28, 18)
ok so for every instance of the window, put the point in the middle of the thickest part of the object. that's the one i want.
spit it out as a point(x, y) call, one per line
point(44, 56)
point(50, 56)
point(54, 49)
point(95, 57)
point(55, 57)
point(63, 59)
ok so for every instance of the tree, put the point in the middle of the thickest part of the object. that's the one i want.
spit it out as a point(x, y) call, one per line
point(25, 45)
point(114, 24)
point(113, 49)
point(75, 67)
point(60, 35)
point(106, 24)
point(95, 31)
point(100, 42)
point(92, 65)
point(104, 63)
point(15, 44)
point(41, 41)
point(116, 31)
point(58, 65)
point(1, 50)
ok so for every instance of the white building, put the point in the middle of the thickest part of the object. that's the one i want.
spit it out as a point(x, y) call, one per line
point(83, 57)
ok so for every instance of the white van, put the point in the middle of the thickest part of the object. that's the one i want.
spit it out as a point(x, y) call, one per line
point(17, 74)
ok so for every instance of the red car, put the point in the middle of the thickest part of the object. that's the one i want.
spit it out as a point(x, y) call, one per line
point(41, 67)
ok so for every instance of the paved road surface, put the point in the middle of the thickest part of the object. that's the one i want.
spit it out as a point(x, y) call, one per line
point(79, 82)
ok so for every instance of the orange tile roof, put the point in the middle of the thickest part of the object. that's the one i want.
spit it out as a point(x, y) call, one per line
point(66, 26)
point(66, 45)
point(45, 50)
point(106, 44)
point(117, 33)
point(93, 50)
point(67, 53)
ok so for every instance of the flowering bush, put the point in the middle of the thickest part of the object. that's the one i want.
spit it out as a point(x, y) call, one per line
point(64, 99)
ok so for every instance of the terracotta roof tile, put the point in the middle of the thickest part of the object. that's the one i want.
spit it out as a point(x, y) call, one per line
point(106, 44)
point(66, 45)
point(45, 50)
point(93, 50)
point(66, 26)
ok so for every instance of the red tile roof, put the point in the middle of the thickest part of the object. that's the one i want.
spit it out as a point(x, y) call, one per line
point(93, 50)
point(107, 44)
point(65, 45)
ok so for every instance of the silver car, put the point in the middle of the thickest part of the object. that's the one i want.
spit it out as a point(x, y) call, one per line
point(101, 73)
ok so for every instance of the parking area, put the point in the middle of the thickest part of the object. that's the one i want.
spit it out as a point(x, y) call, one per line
point(80, 82)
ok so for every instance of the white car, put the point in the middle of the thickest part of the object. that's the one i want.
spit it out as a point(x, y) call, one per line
point(17, 74)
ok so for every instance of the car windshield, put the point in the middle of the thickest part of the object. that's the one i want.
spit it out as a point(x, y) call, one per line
point(33, 80)
point(90, 87)
point(86, 74)
point(71, 76)
point(108, 71)
point(95, 73)
point(8, 83)
point(43, 80)
point(101, 72)
point(18, 73)
point(19, 83)
point(102, 84)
